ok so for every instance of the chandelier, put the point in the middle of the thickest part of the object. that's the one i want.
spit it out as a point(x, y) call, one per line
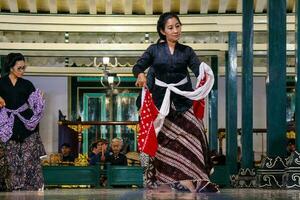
point(109, 80)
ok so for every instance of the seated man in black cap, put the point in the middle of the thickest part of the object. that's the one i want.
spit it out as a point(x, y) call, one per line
point(66, 152)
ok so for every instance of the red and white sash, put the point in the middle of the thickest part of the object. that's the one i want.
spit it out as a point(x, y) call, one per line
point(151, 120)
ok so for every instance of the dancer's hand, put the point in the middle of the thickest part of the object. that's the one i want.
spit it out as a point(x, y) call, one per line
point(2, 102)
point(141, 80)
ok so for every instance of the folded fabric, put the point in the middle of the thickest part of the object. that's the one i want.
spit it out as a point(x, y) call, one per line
point(199, 105)
point(36, 103)
point(147, 141)
point(201, 92)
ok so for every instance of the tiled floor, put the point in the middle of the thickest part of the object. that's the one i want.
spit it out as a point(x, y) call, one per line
point(139, 194)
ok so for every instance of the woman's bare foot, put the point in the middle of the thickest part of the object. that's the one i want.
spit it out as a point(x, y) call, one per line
point(188, 184)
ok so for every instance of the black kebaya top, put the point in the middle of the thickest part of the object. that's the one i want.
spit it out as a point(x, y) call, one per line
point(169, 68)
point(15, 97)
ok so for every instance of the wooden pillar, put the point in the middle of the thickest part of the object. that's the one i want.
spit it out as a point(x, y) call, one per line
point(213, 107)
point(274, 165)
point(276, 94)
point(231, 104)
point(247, 86)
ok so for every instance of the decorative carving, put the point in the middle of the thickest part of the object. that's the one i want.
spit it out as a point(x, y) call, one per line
point(296, 155)
point(291, 177)
point(271, 173)
point(271, 163)
point(270, 180)
point(246, 178)
point(79, 128)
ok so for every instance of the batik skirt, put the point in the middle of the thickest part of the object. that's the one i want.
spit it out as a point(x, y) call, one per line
point(182, 155)
point(24, 163)
point(3, 168)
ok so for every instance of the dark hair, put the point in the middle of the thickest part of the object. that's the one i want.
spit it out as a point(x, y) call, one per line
point(161, 23)
point(104, 141)
point(94, 145)
point(66, 145)
point(291, 141)
point(11, 60)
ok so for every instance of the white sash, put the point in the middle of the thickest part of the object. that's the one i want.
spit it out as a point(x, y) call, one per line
point(197, 94)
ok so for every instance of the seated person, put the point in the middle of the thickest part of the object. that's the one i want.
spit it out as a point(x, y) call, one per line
point(104, 152)
point(291, 146)
point(115, 157)
point(66, 153)
point(98, 153)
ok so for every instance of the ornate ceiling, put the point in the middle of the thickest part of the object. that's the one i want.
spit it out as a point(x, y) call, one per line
point(135, 7)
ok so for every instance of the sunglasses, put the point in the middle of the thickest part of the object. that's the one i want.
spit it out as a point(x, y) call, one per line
point(21, 68)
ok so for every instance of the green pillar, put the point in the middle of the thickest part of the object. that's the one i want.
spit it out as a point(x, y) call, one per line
point(231, 104)
point(276, 94)
point(297, 55)
point(213, 107)
point(247, 86)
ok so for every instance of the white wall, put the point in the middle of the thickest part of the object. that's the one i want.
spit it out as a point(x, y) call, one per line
point(259, 102)
point(56, 95)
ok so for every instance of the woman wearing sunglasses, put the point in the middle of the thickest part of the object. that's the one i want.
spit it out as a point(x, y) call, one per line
point(21, 108)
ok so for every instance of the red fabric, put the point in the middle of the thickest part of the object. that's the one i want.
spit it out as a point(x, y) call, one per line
point(147, 141)
point(199, 105)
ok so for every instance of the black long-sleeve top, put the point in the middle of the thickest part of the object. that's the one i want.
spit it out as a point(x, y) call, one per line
point(14, 97)
point(169, 68)
point(119, 159)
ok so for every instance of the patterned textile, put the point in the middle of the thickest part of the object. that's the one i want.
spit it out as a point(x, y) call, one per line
point(24, 164)
point(182, 154)
point(144, 158)
point(3, 168)
point(36, 103)
point(147, 141)
point(151, 121)
point(199, 93)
